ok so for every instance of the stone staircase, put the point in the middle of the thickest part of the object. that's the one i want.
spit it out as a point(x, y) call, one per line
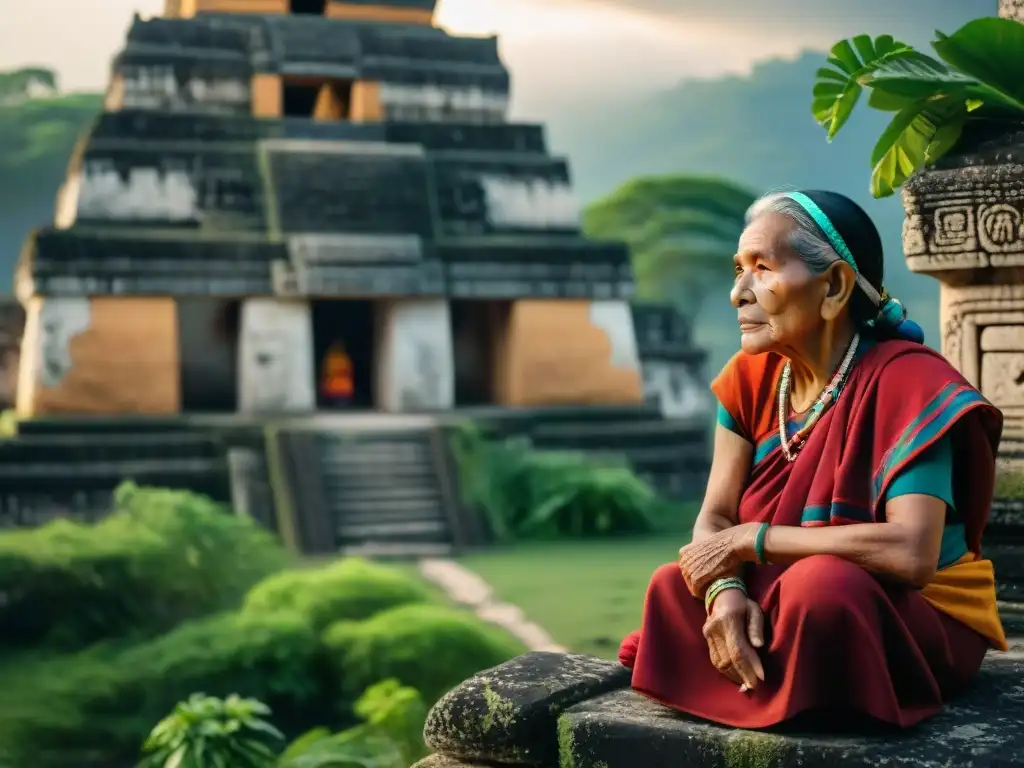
point(374, 489)
point(384, 493)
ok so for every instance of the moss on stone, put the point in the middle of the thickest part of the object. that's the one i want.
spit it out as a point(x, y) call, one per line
point(500, 711)
point(747, 749)
point(1009, 484)
point(566, 743)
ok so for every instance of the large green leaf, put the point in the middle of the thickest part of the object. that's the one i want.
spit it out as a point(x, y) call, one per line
point(917, 136)
point(916, 76)
point(838, 86)
point(990, 50)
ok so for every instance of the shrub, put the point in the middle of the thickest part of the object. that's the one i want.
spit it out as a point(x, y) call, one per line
point(95, 707)
point(428, 647)
point(526, 493)
point(351, 589)
point(160, 558)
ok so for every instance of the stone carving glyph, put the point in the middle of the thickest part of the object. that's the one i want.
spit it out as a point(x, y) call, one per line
point(1012, 9)
point(965, 218)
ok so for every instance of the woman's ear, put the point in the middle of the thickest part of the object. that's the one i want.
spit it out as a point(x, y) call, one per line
point(840, 282)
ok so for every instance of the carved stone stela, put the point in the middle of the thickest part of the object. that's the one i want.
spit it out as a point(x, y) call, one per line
point(965, 227)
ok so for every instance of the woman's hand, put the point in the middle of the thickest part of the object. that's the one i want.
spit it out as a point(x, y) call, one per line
point(734, 630)
point(705, 561)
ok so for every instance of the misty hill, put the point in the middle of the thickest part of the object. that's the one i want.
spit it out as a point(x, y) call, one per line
point(756, 130)
point(36, 141)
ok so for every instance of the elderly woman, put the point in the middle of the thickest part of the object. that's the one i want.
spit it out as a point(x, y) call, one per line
point(835, 567)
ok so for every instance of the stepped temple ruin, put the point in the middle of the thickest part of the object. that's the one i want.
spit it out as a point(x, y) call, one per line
point(302, 240)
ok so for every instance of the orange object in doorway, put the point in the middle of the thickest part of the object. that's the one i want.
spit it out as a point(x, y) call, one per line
point(337, 381)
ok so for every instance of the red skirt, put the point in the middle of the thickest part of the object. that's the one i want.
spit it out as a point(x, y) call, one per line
point(838, 641)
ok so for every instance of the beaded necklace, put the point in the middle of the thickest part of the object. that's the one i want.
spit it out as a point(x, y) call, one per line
point(791, 446)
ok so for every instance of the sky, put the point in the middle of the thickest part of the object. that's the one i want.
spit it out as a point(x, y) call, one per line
point(590, 46)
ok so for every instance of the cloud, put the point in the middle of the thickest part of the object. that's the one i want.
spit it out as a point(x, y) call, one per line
point(874, 16)
point(577, 47)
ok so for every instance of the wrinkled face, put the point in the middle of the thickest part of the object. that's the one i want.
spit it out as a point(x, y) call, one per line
point(779, 300)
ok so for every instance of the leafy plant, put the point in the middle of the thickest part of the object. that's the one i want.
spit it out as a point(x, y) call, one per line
point(525, 493)
point(979, 75)
point(681, 231)
point(206, 732)
point(390, 736)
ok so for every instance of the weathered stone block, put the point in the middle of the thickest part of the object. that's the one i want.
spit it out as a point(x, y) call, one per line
point(508, 714)
point(1011, 611)
point(1007, 517)
point(983, 728)
point(443, 761)
point(1008, 560)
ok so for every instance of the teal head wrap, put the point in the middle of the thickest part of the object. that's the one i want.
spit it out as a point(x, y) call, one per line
point(891, 312)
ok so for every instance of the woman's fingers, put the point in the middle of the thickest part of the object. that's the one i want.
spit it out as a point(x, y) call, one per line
point(745, 662)
point(755, 625)
point(719, 652)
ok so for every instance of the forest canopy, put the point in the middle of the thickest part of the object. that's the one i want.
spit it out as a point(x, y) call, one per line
point(38, 131)
point(682, 231)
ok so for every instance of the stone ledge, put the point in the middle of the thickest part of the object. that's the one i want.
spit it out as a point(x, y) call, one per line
point(508, 714)
point(582, 715)
point(443, 761)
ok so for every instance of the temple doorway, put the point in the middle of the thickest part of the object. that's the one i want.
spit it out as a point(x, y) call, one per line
point(308, 7)
point(325, 100)
point(208, 331)
point(343, 349)
point(478, 329)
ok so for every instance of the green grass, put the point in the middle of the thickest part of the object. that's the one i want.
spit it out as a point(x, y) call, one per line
point(587, 594)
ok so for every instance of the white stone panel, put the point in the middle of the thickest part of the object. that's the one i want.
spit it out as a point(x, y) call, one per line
point(415, 368)
point(276, 371)
point(146, 193)
point(615, 318)
point(677, 392)
point(530, 203)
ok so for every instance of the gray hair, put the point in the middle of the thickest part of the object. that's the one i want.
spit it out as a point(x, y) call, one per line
point(807, 239)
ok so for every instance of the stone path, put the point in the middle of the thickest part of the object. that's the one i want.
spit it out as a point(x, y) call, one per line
point(464, 587)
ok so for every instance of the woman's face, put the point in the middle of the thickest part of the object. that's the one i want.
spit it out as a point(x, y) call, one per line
point(779, 301)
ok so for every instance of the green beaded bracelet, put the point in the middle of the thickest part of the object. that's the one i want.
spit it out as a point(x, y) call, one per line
point(721, 586)
point(762, 533)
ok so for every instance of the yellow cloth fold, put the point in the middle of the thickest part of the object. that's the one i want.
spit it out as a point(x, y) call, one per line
point(966, 591)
